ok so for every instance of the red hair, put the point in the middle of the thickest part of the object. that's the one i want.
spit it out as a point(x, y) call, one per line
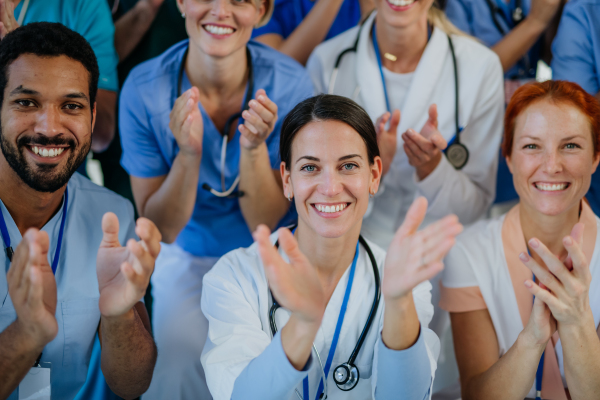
point(557, 92)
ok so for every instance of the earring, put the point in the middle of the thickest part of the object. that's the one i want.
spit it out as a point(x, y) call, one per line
point(182, 15)
point(289, 197)
point(371, 194)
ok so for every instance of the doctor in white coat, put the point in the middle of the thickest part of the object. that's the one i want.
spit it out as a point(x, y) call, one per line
point(319, 287)
point(403, 62)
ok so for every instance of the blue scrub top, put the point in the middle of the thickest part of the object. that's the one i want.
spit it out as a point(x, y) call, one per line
point(576, 58)
point(92, 20)
point(288, 14)
point(77, 311)
point(217, 225)
point(475, 18)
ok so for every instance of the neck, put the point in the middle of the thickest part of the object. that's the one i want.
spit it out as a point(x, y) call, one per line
point(217, 77)
point(407, 44)
point(330, 257)
point(550, 230)
point(27, 207)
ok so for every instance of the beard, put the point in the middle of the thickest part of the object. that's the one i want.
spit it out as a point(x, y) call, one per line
point(43, 177)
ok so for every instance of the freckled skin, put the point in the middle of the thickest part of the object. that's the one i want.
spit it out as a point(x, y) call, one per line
point(552, 144)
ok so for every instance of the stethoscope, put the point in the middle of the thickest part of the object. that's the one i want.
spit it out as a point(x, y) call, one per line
point(225, 133)
point(456, 152)
point(516, 16)
point(345, 375)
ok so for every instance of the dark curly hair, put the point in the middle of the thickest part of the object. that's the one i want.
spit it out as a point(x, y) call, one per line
point(48, 39)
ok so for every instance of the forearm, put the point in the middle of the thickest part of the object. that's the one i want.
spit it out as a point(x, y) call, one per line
point(312, 31)
point(104, 129)
point(400, 323)
point(131, 27)
point(581, 351)
point(172, 205)
point(297, 338)
point(511, 377)
point(518, 42)
point(19, 353)
point(128, 354)
point(263, 201)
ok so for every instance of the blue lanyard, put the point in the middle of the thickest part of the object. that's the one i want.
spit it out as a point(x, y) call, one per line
point(6, 236)
point(378, 57)
point(336, 334)
point(539, 374)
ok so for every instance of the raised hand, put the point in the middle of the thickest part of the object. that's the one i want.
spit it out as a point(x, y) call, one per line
point(186, 123)
point(295, 286)
point(387, 138)
point(564, 286)
point(32, 288)
point(124, 272)
point(416, 256)
point(259, 120)
point(424, 150)
point(542, 11)
point(8, 23)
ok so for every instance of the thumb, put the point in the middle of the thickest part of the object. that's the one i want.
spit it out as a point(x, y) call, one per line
point(381, 121)
point(110, 229)
point(394, 122)
point(259, 92)
point(577, 233)
point(412, 221)
point(433, 115)
point(290, 247)
point(439, 141)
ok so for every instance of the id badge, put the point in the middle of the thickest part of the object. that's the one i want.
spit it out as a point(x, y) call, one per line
point(36, 384)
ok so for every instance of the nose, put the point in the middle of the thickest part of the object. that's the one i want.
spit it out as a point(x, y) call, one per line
point(221, 9)
point(552, 162)
point(331, 184)
point(48, 122)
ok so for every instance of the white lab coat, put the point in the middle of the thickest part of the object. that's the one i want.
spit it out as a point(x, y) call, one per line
point(467, 193)
point(236, 301)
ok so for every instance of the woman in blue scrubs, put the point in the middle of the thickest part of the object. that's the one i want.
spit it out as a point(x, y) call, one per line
point(576, 58)
point(199, 170)
point(298, 26)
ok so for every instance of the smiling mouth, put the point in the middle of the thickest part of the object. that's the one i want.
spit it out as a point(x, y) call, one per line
point(551, 187)
point(332, 208)
point(218, 30)
point(401, 3)
point(47, 151)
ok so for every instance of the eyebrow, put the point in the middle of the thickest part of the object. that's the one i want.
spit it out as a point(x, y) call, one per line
point(311, 158)
point(77, 95)
point(22, 90)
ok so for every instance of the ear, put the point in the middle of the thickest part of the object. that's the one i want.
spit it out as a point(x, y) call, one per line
point(94, 116)
point(286, 178)
point(376, 171)
point(509, 163)
point(262, 10)
point(180, 6)
point(596, 161)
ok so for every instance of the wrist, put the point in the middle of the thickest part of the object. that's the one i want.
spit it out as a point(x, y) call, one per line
point(30, 336)
point(528, 342)
point(254, 151)
point(189, 158)
point(579, 328)
point(424, 170)
point(128, 316)
point(536, 26)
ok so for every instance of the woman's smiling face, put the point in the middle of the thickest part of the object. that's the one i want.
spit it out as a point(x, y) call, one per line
point(330, 177)
point(553, 156)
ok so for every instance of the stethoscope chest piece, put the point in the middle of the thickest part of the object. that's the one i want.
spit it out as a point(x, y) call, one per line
point(346, 376)
point(457, 155)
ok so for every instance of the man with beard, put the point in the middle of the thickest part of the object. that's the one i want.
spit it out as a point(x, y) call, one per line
point(68, 277)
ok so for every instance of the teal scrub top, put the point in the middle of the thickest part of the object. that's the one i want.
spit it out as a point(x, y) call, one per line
point(92, 20)
point(77, 311)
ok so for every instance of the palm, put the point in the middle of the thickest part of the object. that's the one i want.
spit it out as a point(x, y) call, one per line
point(194, 135)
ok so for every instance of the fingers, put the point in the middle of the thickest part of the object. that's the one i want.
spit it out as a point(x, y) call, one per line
point(394, 122)
point(578, 260)
point(412, 221)
point(439, 238)
point(542, 294)
point(264, 100)
point(267, 251)
point(543, 275)
point(35, 297)
point(143, 262)
point(577, 233)
point(381, 121)
point(555, 266)
point(110, 231)
point(255, 123)
point(149, 235)
point(290, 246)
point(438, 141)
point(422, 147)
point(433, 115)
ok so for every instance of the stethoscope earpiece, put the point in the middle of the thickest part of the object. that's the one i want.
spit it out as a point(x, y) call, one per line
point(346, 376)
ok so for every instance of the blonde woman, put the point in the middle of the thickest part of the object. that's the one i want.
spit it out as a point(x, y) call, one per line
point(200, 130)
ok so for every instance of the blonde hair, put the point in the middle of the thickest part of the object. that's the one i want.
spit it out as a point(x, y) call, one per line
point(437, 18)
point(269, 6)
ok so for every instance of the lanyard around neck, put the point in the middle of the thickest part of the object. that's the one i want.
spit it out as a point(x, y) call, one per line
point(6, 236)
point(539, 374)
point(336, 334)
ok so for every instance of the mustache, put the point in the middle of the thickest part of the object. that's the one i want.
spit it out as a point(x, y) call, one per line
point(45, 141)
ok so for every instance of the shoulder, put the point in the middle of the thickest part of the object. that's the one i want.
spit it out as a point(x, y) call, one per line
point(478, 240)
point(470, 51)
point(265, 57)
point(95, 200)
point(157, 71)
point(330, 49)
point(581, 7)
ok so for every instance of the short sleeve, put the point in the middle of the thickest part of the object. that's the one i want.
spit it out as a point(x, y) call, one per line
point(282, 21)
point(141, 153)
point(572, 49)
point(94, 23)
point(459, 289)
point(458, 13)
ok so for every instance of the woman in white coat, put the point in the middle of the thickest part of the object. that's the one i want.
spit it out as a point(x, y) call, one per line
point(416, 72)
point(319, 287)
point(508, 345)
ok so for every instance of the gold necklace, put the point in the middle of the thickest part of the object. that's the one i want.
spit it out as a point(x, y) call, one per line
point(390, 57)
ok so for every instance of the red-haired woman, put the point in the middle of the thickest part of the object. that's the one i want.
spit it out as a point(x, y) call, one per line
point(523, 290)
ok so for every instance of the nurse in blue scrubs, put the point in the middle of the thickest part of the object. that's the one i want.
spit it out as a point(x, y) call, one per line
point(298, 26)
point(576, 58)
point(513, 29)
point(204, 173)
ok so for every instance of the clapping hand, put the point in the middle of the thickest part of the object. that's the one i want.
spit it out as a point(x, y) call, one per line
point(32, 288)
point(387, 138)
point(186, 123)
point(124, 272)
point(424, 150)
point(416, 256)
point(8, 23)
point(259, 120)
point(295, 286)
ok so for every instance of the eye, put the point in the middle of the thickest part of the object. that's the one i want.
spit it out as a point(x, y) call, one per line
point(73, 106)
point(572, 146)
point(349, 167)
point(25, 103)
point(530, 146)
point(308, 168)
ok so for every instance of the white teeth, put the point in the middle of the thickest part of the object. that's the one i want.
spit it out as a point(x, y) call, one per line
point(551, 187)
point(53, 152)
point(35, 149)
point(330, 209)
point(45, 152)
point(218, 30)
point(401, 3)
